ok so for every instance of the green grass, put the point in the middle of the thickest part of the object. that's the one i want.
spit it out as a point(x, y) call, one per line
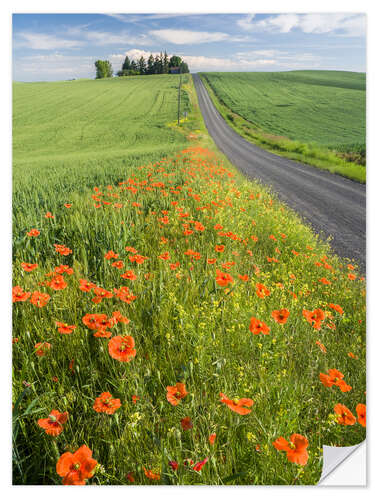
point(186, 327)
point(318, 117)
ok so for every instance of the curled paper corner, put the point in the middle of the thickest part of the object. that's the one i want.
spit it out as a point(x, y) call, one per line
point(353, 469)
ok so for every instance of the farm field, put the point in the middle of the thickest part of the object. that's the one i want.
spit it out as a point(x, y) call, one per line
point(170, 317)
point(313, 114)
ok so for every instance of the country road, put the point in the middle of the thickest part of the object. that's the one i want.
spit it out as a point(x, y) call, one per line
point(331, 204)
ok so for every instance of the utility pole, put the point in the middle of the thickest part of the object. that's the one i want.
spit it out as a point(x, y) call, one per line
point(179, 98)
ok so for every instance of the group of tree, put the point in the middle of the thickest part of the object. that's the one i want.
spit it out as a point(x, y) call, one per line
point(154, 65)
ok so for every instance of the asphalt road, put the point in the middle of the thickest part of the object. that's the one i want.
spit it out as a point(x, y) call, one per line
point(331, 204)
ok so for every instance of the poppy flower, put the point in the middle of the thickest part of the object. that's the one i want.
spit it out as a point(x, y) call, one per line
point(351, 276)
point(241, 406)
point(129, 275)
point(174, 266)
point(119, 318)
point(19, 295)
point(131, 249)
point(186, 423)
point(155, 476)
point(105, 403)
point(164, 256)
point(175, 393)
point(173, 464)
point(222, 279)
point(211, 261)
point(57, 283)
point(135, 399)
point(314, 317)
point(62, 250)
point(262, 291)
point(122, 348)
point(243, 277)
point(118, 264)
point(85, 285)
point(53, 425)
point(325, 281)
point(337, 308)
point(67, 205)
point(212, 438)
point(28, 267)
point(64, 328)
point(111, 255)
point(33, 232)
point(334, 377)
point(219, 248)
point(257, 326)
point(296, 449)
point(280, 316)
point(63, 269)
point(351, 355)
point(49, 216)
point(321, 346)
point(76, 467)
point(345, 416)
point(130, 477)
point(361, 412)
point(39, 299)
point(41, 348)
point(96, 321)
point(198, 466)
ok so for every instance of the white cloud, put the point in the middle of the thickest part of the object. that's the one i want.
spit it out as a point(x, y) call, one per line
point(186, 37)
point(341, 24)
point(40, 41)
point(103, 38)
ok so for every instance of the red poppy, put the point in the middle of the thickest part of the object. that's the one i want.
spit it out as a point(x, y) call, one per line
point(106, 403)
point(67, 205)
point(129, 275)
point(186, 423)
point(321, 346)
point(198, 466)
point(39, 299)
point(155, 476)
point(257, 326)
point(18, 294)
point(64, 328)
point(119, 318)
point(28, 267)
point(130, 477)
point(33, 232)
point(212, 438)
point(361, 412)
point(76, 467)
point(111, 255)
point(164, 256)
point(41, 348)
point(131, 249)
point(118, 264)
point(314, 317)
point(57, 283)
point(296, 449)
point(97, 321)
point(135, 399)
point(173, 464)
point(262, 291)
point(280, 316)
point(53, 425)
point(337, 308)
point(241, 406)
point(351, 276)
point(62, 250)
point(64, 269)
point(211, 261)
point(122, 348)
point(85, 285)
point(223, 279)
point(175, 393)
point(219, 248)
point(49, 216)
point(345, 416)
point(243, 277)
point(334, 377)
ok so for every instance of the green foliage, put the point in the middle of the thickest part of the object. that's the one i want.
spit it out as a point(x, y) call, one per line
point(103, 69)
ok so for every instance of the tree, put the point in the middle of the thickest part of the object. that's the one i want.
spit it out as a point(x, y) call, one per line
point(150, 65)
point(175, 61)
point(184, 67)
point(133, 65)
point(157, 65)
point(126, 63)
point(103, 69)
point(165, 62)
point(142, 65)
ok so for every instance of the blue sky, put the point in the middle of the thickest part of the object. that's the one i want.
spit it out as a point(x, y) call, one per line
point(63, 46)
